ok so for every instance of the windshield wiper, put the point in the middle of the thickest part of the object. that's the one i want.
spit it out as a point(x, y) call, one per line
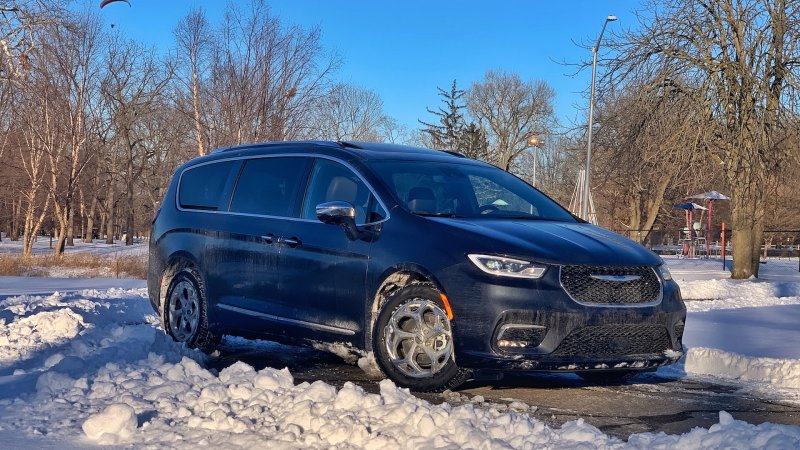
point(436, 214)
point(497, 216)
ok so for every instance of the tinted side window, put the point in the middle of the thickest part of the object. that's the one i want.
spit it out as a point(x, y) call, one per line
point(202, 187)
point(331, 181)
point(270, 186)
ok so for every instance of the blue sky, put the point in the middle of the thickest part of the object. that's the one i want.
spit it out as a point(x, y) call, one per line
point(405, 49)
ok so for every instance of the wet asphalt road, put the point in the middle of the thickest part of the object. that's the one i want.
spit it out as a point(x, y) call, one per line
point(647, 403)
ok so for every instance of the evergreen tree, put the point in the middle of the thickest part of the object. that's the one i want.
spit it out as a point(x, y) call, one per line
point(447, 134)
point(473, 142)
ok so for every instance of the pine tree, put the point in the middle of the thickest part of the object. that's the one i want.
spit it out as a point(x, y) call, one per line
point(447, 134)
point(473, 142)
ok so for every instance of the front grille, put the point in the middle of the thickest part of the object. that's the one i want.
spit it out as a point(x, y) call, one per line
point(679, 330)
point(585, 284)
point(614, 340)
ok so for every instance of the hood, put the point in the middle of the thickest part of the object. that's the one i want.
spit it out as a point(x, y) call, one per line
point(552, 242)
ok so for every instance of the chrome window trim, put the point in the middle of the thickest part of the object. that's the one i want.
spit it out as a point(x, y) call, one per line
point(276, 155)
point(617, 305)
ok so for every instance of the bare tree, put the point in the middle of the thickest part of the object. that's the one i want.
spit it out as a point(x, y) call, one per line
point(510, 110)
point(650, 140)
point(69, 61)
point(737, 60)
point(135, 82)
point(194, 38)
point(265, 78)
point(20, 21)
point(350, 113)
point(41, 135)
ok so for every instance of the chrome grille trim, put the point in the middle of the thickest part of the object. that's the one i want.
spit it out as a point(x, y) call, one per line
point(609, 276)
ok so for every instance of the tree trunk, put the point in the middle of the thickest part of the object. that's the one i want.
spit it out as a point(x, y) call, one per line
point(61, 231)
point(82, 215)
point(70, 227)
point(89, 234)
point(198, 127)
point(110, 215)
point(16, 210)
point(33, 223)
point(745, 241)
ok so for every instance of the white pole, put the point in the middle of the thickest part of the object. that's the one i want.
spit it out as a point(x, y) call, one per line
point(586, 190)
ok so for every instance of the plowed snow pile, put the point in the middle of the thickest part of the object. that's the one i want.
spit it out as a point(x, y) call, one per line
point(92, 367)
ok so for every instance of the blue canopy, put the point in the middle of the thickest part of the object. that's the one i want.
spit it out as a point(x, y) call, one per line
point(689, 206)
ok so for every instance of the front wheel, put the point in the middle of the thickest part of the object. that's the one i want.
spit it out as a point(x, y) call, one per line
point(413, 340)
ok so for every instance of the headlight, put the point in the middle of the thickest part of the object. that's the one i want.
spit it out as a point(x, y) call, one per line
point(507, 267)
point(665, 274)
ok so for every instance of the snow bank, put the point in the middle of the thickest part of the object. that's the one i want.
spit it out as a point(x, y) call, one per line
point(777, 372)
point(92, 367)
point(728, 433)
point(746, 292)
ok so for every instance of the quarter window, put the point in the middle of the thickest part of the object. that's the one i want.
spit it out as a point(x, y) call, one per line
point(202, 187)
point(270, 186)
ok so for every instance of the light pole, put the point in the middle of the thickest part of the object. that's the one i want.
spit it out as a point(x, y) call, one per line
point(535, 142)
point(586, 190)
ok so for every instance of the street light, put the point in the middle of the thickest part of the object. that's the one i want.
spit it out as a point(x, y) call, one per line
point(535, 142)
point(586, 190)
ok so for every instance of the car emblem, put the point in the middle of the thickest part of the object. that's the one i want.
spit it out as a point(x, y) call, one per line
point(615, 278)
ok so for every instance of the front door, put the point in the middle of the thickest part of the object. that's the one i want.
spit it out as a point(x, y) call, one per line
point(323, 271)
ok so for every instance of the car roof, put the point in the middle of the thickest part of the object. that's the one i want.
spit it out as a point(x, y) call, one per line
point(365, 151)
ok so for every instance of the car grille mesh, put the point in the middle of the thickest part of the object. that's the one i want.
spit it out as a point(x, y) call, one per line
point(583, 287)
point(614, 340)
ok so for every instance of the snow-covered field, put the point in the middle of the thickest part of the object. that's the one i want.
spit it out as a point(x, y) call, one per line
point(746, 333)
point(43, 246)
point(88, 365)
point(83, 260)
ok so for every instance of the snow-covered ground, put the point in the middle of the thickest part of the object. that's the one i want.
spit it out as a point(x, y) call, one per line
point(43, 246)
point(82, 366)
point(743, 332)
point(83, 260)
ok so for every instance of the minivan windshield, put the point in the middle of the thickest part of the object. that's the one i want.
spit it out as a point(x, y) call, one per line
point(464, 190)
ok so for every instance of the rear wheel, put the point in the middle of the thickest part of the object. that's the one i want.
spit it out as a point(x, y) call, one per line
point(184, 313)
point(413, 340)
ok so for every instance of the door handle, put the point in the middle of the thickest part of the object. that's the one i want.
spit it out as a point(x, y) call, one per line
point(292, 241)
point(268, 238)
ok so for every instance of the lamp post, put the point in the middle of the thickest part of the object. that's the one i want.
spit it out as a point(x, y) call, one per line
point(536, 143)
point(586, 190)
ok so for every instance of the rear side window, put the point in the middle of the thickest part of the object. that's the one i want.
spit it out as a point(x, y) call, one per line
point(202, 187)
point(270, 186)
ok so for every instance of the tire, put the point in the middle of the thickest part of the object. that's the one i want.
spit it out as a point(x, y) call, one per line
point(608, 378)
point(420, 358)
point(184, 310)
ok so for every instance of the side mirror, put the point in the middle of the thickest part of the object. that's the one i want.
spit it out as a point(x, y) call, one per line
point(339, 213)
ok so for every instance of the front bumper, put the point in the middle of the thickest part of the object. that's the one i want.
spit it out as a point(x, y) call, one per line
point(554, 333)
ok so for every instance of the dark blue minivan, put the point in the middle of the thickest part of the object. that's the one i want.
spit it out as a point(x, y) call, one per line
point(444, 267)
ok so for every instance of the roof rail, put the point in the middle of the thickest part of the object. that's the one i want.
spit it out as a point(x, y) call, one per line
point(272, 144)
point(454, 153)
point(346, 144)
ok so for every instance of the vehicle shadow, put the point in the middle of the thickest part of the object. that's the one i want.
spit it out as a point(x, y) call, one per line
point(310, 364)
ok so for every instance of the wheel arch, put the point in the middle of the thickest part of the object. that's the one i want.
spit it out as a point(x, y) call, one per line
point(174, 264)
point(392, 279)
